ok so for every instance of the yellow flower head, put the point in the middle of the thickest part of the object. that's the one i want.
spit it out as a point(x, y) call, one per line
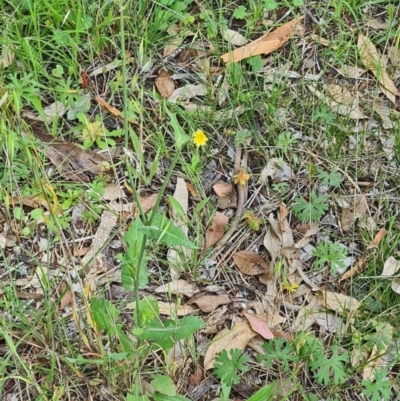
point(200, 138)
point(241, 178)
point(290, 287)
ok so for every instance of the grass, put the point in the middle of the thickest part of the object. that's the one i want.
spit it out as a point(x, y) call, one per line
point(68, 330)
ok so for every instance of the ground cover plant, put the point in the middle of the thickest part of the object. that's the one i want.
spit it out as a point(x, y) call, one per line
point(199, 200)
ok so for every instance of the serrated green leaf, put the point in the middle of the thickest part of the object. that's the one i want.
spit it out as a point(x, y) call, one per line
point(311, 210)
point(333, 178)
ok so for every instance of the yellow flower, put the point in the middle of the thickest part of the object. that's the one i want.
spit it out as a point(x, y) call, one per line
point(290, 287)
point(200, 138)
point(241, 178)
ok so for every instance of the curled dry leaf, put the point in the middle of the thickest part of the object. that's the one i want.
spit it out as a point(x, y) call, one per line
point(177, 287)
point(238, 337)
point(338, 302)
point(265, 44)
point(208, 303)
point(358, 267)
point(259, 326)
point(215, 230)
point(251, 263)
point(164, 83)
point(384, 113)
point(6, 58)
point(378, 238)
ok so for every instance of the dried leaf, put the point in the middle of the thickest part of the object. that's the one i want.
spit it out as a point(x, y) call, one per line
point(177, 287)
point(170, 309)
point(181, 194)
point(107, 222)
point(111, 66)
point(238, 337)
point(187, 92)
point(384, 113)
point(215, 230)
point(113, 192)
point(390, 269)
point(234, 37)
point(358, 267)
point(251, 263)
point(69, 158)
point(378, 238)
point(351, 71)
point(164, 83)
point(222, 188)
point(343, 103)
point(56, 109)
point(374, 362)
point(208, 303)
point(338, 302)
point(373, 62)
point(265, 44)
point(259, 326)
point(6, 58)
point(66, 300)
point(377, 24)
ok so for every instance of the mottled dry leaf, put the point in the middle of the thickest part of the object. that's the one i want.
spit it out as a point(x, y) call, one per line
point(177, 287)
point(148, 202)
point(251, 263)
point(238, 337)
point(111, 66)
point(56, 109)
point(215, 230)
point(283, 212)
point(187, 92)
point(359, 208)
point(378, 238)
point(234, 37)
point(338, 302)
point(390, 269)
point(164, 83)
point(377, 24)
point(351, 71)
point(330, 322)
point(113, 192)
point(340, 100)
point(265, 44)
point(170, 309)
point(304, 318)
point(384, 113)
point(374, 362)
point(259, 326)
point(208, 303)
point(373, 62)
point(6, 58)
point(222, 188)
point(276, 170)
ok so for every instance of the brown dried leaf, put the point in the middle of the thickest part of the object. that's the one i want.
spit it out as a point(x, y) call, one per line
point(384, 113)
point(170, 309)
point(215, 230)
point(69, 158)
point(238, 337)
point(164, 83)
point(340, 100)
point(259, 326)
point(373, 62)
point(251, 263)
point(177, 287)
point(378, 238)
point(338, 302)
point(222, 188)
point(358, 267)
point(208, 303)
point(265, 44)
point(352, 72)
point(66, 300)
point(187, 92)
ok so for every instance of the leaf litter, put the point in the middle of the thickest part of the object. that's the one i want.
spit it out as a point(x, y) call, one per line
point(289, 245)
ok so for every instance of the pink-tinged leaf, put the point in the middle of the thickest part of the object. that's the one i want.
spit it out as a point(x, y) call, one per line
point(259, 326)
